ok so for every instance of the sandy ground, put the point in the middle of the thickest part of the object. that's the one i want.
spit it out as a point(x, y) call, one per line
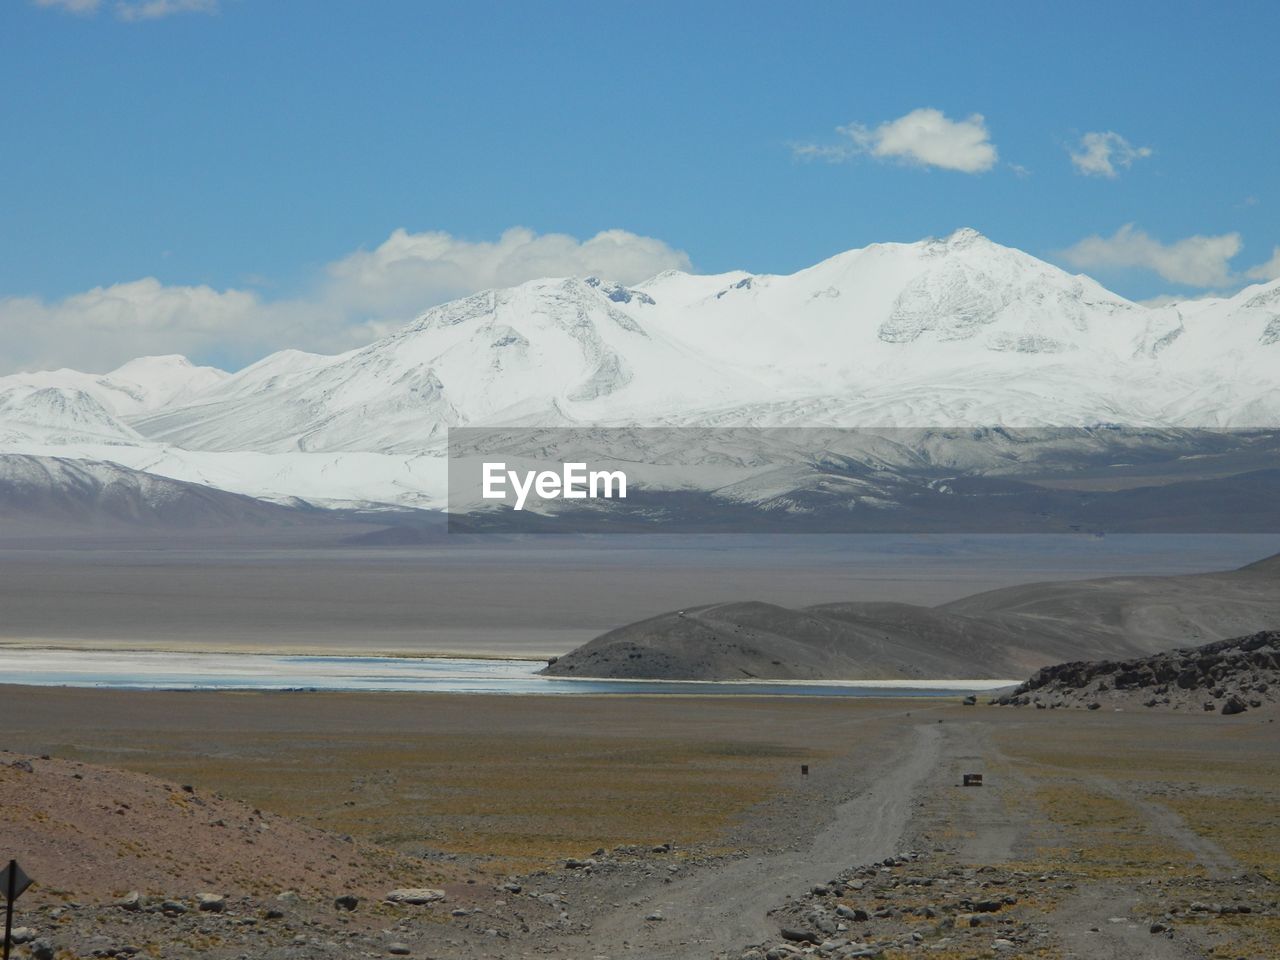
point(568, 828)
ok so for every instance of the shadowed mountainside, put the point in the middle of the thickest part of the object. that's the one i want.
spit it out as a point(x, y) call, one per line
point(50, 493)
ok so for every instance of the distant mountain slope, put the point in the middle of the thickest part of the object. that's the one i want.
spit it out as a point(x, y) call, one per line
point(502, 356)
point(1001, 634)
point(51, 492)
point(66, 407)
point(1131, 616)
point(58, 415)
point(739, 641)
point(139, 386)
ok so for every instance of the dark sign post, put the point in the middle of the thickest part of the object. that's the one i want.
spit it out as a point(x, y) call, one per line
point(13, 882)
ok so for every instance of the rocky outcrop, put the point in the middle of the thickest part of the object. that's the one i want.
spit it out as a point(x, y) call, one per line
point(1229, 676)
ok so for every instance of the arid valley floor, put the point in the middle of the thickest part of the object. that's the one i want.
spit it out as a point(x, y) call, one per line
point(638, 827)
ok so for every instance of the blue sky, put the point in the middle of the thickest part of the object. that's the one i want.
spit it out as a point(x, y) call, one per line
point(255, 147)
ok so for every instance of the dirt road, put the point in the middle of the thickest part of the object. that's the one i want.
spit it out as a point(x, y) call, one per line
point(724, 908)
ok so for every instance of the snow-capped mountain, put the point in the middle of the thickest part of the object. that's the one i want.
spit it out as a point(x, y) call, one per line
point(546, 352)
point(944, 332)
point(941, 332)
point(67, 406)
point(140, 386)
point(58, 415)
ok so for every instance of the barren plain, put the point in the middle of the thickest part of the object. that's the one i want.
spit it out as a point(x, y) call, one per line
point(639, 827)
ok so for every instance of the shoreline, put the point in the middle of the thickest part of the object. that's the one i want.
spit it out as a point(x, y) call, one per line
point(263, 671)
point(67, 645)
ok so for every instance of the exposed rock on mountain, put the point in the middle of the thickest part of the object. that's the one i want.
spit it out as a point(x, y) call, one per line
point(1229, 676)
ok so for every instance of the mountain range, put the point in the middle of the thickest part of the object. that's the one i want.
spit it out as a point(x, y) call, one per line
point(952, 332)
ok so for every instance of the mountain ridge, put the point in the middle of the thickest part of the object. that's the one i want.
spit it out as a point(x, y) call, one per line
point(957, 331)
point(53, 493)
point(998, 634)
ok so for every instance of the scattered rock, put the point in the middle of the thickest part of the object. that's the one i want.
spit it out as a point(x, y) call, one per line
point(417, 895)
point(211, 902)
point(799, 936)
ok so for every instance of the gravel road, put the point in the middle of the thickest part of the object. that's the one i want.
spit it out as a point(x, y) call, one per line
point(721, 908)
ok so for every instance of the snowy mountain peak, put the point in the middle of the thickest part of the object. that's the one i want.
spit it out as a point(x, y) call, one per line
point(138, 386)
point(160, 362)
point(965, 237)
point(54, 414)
point(952, 331)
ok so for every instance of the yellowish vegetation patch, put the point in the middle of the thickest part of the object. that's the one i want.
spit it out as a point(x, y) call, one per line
point(1247, 826)
point(521, 800)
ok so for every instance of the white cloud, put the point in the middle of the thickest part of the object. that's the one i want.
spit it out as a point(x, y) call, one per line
point(1266, 271)
point(155, 9)
point(72, 6)
point(1098, 154)
point(361, 296)
point(411, 269)
point(1195, 261)
point(101, 328)
point(924, 137)
point(133, 10)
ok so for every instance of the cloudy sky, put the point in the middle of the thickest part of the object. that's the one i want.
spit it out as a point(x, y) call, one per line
point(227, 177)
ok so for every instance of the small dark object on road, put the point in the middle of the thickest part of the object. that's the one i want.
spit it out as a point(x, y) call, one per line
point(972, 780)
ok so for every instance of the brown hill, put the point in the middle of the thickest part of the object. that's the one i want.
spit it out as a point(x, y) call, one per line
point(999, 634)
point(83, 831)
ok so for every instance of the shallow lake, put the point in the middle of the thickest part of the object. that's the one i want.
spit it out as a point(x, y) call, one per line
point(235, 671)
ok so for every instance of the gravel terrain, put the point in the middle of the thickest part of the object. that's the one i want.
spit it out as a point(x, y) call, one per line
point(1109, 849)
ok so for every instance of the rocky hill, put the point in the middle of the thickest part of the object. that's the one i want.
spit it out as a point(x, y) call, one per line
point(1230, 676)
